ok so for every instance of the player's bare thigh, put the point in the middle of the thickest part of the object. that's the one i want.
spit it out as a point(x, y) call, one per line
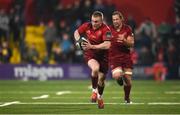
point(94, 65)
point(117, 72)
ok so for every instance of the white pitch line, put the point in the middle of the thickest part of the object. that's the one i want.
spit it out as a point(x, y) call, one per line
point(172, 92)
point(79, 103)
point(63, 92)
point(9, 103)
point(161, 97)
point(163, 103)
point(82, 103)
point(73, 92)
point(41, 97)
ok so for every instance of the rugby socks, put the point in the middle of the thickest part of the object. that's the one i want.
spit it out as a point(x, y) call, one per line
point(127, 89)
point(94, 82)
point(100, 91)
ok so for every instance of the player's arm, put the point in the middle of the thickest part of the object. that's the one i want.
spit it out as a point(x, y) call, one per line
point(104, 45)
point(78, 32)
point(79, 40)
point(76, 36)
point(127, 39)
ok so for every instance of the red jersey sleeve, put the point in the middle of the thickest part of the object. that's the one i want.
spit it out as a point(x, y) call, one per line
point(83, 28)
point(106, 33)
point(129, 31)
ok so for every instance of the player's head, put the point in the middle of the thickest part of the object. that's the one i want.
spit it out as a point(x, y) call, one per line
point(117, 19)
point(97, 19)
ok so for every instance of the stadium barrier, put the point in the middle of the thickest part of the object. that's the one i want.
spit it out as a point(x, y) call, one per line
point(61, 71)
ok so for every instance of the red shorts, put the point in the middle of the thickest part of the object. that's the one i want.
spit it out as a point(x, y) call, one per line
point(121, 62)
point(101, 58)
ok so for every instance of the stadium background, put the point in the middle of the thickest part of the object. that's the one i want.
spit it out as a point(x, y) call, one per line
point(36, 42)
point(41, 32)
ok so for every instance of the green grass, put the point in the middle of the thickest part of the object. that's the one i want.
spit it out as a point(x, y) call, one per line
point(77, 102)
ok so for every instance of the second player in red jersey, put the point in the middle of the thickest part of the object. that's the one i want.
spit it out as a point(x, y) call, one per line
point(119, 53)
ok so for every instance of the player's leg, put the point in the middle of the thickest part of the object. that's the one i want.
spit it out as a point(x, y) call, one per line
point(94, 65)
point(117, 74)
point(101, 85)
point(101, 81)
point(127, 84)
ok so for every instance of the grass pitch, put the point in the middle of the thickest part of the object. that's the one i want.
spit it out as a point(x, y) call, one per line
point(73, 97)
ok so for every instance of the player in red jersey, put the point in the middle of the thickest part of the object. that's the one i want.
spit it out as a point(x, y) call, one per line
point(119, 53)
point(95, 52)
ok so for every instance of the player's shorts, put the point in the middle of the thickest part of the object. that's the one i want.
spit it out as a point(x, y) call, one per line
point(120, 62)
point(102, 59)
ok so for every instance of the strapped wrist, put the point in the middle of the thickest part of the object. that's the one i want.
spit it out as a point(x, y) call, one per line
point(79, 40)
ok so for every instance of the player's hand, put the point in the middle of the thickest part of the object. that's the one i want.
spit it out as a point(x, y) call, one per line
point(121, 38)
point(86, 45)
point(80, 42)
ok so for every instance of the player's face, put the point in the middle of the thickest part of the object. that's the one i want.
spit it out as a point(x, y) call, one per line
point(96, 22)
point(117, 21)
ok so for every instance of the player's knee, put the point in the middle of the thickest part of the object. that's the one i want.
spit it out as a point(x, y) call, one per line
point(95, 68)
point(127, 80)
point(117, 75)
point(95, 71)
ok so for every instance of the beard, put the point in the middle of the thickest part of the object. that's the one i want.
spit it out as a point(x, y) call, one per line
point(117, 25)
point(97, 26)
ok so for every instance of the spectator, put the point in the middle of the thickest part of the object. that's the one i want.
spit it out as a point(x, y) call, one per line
point(86, 9)
point(131, 22)
point(99, 6)
point(177, 7)
point(109, 9)
point(68, 13)
point(57, 53)
point(176, 30)
point(172, 60)
point(15, 25)
point(147, 31)
point(145, 56)
point(5, 52)
point(164, 31)
point(67, 47)
point(59, 13)
point(45, 59)
point(4, 25)
point(44, 9)
point(63, 28)
point(32, 55)
point(76, 10)
point(50, 35)
point(148, 28)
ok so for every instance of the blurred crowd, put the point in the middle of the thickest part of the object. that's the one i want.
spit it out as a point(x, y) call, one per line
point(153, 43)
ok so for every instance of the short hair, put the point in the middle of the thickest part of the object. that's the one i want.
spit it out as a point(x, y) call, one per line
point(98, 14)
point(119, 14)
